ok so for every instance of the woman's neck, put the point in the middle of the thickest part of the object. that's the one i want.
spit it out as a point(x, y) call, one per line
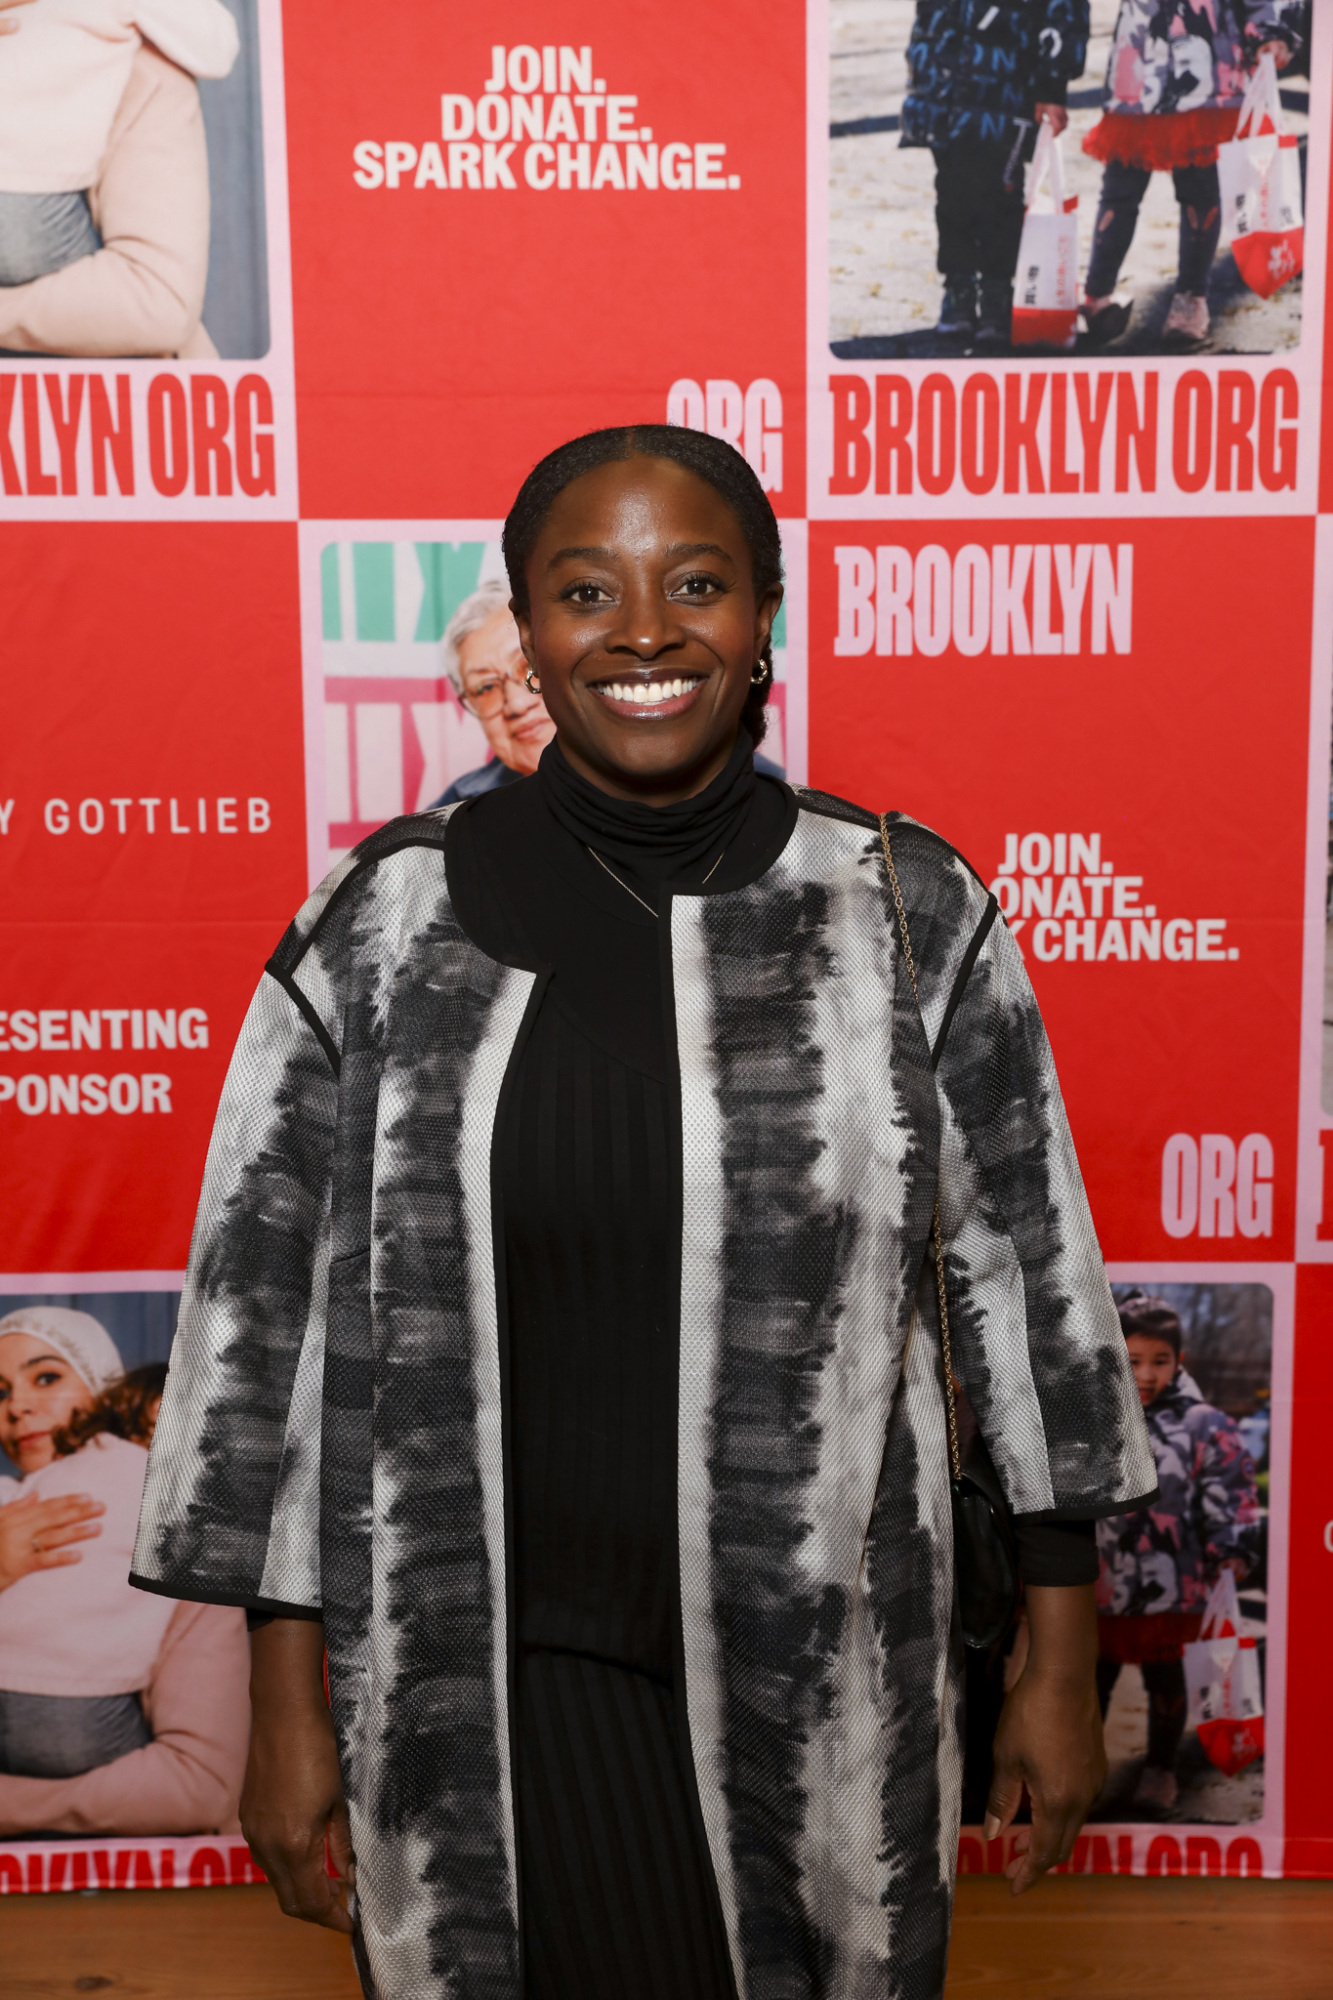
point(649, 788)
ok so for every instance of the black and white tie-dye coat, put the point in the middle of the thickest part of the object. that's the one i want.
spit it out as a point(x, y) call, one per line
point(333, 1432)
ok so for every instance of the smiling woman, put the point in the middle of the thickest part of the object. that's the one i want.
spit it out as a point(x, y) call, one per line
point(560, 1350)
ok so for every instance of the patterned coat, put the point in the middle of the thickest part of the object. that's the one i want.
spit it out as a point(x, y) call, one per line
point(1190, 55)
point(333, 1430)
point(1167, 1557)
point(977, 67)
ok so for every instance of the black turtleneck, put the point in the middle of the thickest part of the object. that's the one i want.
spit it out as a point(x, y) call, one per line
point(552, 874)
point(684, 842)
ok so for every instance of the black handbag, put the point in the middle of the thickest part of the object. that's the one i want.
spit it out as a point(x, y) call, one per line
point(985, 1557)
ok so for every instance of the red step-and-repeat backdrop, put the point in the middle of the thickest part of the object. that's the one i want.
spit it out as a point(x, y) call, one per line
point(1066, 605)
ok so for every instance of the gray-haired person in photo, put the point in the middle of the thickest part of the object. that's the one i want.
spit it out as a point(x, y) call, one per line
point(483, 659)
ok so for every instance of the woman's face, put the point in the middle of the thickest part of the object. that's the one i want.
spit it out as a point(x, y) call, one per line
point(643, 627)
point(39, 1393)
point(1154, 1363)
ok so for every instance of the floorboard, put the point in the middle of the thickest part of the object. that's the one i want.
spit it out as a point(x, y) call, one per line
point(1099, 1938)
point(1084, 1939)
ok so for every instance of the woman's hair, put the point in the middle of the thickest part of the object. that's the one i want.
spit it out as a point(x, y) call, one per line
point(1140, 1312)
point(477, 609)
point(125, 1409)
point(709, 458)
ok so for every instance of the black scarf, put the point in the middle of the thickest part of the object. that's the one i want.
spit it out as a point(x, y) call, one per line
point(654, 844)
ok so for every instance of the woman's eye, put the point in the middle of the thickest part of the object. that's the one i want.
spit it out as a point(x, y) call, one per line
point(48, 1378)
point(698, 586)
point(587, 593)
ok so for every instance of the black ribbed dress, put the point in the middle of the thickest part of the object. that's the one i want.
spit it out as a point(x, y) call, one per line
point(617, 1895)
point(616, 1889)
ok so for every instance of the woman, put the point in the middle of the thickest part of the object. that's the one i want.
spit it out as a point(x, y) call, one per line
point(1174, 84)
point(557, 1348)
point(97, 1733)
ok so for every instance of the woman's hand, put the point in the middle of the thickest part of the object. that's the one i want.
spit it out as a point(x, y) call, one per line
point(1054, 115)
point(35, 1534)
point(1050, 1734)
point(293, 1795)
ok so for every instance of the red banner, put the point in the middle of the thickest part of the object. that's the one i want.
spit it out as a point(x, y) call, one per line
point(1066, 605)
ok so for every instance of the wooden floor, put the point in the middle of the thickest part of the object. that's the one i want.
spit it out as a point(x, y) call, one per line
point(1074, 1939)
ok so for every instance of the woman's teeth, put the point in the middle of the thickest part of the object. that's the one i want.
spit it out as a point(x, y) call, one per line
point(647, 694)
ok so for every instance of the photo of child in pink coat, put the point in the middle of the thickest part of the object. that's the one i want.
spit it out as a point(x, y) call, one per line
point(120, 1711)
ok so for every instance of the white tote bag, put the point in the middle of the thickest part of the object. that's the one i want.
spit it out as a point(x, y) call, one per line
point(1226, 1706)
point(1260, 175)
point(1046, 285)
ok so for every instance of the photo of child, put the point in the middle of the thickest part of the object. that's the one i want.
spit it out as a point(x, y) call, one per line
point(132, 179)
point(120, 1711)
point(1200, 1355)
point(65, 1706)
point(64, 70)
point(981, 83)
point(935, 107)
point(1174, 81)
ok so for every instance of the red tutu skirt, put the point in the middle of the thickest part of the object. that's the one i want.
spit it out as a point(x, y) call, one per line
point(1159, 1637)
point(1175, 139)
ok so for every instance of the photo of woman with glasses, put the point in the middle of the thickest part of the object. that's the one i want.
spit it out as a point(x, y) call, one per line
point(483, 659)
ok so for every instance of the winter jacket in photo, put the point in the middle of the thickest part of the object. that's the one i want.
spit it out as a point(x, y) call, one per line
point(979, 68)
point(1167, 1557)
point(1190, 55)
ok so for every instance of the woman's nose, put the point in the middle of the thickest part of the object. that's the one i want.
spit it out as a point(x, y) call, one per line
point(646, 625)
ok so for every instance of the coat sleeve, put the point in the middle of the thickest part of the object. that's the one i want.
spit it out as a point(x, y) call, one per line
point(200, 35)
point(1036, 1338)
point(1226, 1496)
point(143, 292)
point(231, 1501)
point(1062, 49)
point(188, 1779)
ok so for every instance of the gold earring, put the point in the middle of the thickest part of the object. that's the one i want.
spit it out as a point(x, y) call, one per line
point(761, 673)
point(533, 687)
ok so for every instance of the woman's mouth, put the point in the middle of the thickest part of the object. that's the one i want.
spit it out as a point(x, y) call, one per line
point(644, 700)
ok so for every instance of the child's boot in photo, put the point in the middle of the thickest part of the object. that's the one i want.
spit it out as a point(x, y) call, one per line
point(1187, 323)
point(995, 316)
point(1105, 320)
point(957, 323)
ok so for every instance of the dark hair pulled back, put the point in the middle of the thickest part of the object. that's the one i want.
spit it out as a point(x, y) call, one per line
point(709, 458)
point(1141, 1312)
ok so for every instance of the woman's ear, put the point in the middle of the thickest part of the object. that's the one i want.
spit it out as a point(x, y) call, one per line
point(523, 620)
point(766, 612)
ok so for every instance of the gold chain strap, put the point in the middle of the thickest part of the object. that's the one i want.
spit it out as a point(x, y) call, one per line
point(936, 1237)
